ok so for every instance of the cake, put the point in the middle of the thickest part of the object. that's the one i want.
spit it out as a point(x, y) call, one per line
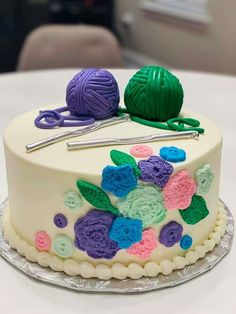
point(120, 211)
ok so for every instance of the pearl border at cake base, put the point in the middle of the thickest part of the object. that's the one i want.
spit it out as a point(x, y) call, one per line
point(119, 286)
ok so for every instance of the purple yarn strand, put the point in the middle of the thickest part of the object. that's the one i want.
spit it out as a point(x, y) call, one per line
point(53, 118)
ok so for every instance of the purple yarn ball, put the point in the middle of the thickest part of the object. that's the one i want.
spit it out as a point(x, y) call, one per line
point(93, 92)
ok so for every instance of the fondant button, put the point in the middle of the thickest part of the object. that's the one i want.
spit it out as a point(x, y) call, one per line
point(63, 246)
point(186, 242)
point(172, 154)
point(72, 200)
point(141, 151)
point(60, 221)
point(42, 241)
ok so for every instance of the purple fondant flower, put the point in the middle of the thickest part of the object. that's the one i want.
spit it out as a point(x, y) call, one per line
point(118, 180)
point(155, 170)
point(92, 234)
point(171, 233)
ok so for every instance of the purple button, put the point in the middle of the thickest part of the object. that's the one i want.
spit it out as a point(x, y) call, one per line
point(60, 220)
point(170, 234)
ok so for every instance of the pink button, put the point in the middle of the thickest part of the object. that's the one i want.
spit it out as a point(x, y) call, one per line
point(141, 151)
point(42, 241)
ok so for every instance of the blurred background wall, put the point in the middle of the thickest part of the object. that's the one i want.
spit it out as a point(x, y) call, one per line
point(180, 43)
point(209, 46)
point(187, 34)
point(20, 17)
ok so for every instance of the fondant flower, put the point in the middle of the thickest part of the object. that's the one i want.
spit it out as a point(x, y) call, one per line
point(126, 231)
point(172, 154)
point(144, 203)
point(196, 211)
point(179, 190)
point(155, 170)
point(72, 200)
point(118, 180)
point(170, 234)
point(204, 177)
point(92, 234)
point(144, 248)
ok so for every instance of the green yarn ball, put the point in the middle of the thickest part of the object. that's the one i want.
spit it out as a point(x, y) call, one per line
point(155, 94)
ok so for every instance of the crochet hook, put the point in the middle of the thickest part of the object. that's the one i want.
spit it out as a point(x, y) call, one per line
point(131, 140)
point(65, 135)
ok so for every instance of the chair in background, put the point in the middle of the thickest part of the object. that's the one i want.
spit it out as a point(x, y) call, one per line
point(63, 46)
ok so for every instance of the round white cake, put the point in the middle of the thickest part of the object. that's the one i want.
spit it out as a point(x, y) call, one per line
point(104, 212)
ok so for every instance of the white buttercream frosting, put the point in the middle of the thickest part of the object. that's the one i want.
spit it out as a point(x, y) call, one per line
point(115, 270)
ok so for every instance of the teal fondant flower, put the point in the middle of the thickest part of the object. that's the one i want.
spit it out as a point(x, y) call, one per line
point(118, 180)
point(72, 200)
point(144, 203)
point(204, 178)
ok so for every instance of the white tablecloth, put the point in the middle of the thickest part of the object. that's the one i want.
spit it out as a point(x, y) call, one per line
point(214, 292)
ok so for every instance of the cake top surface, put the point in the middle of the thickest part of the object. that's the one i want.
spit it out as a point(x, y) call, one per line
point(22, 131)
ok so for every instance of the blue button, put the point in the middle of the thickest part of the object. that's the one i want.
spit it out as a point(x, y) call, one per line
point(186, 242)
point(172, 154)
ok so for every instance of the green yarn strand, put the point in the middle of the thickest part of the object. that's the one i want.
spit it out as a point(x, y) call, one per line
point(175, 124)
point(153, 124)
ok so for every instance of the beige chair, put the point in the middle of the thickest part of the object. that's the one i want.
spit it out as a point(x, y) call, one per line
point(63, 46)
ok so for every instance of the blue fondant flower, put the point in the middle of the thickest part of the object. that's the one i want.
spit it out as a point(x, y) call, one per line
point(126, 231)
point(118, 180)
point(172, 154)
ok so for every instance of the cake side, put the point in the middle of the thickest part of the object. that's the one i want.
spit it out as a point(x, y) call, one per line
point(116, 270)
point(42, 183)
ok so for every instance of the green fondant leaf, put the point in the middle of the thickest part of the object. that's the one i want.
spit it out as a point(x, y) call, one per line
point(120, 158)
point(196, 211)
point(96, 196)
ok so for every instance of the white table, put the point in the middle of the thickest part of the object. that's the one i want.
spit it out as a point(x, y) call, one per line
point(214, 292)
